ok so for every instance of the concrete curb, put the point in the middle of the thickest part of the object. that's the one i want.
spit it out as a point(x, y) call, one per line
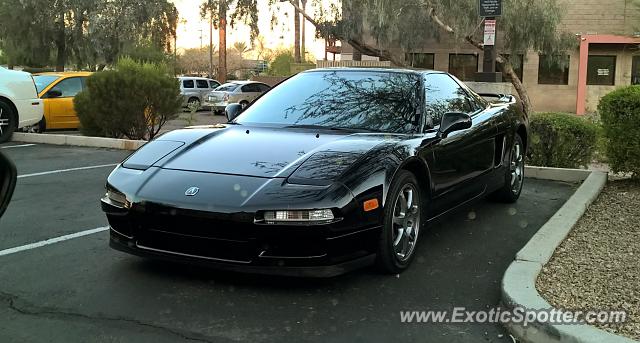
point(95, 142)
point(519, 280)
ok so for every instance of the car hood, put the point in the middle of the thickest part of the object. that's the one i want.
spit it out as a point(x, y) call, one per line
point(257, 151)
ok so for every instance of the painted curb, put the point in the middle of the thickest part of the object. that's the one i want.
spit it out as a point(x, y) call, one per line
point(94, 142)
point(519, 280)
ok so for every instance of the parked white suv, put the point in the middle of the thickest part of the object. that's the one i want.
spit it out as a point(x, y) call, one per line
point(195, 89)
point(19, 102)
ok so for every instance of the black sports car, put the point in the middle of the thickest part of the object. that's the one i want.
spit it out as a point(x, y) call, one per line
point(331, 170)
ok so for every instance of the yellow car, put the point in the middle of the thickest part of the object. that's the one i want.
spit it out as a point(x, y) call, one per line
point(57, 91)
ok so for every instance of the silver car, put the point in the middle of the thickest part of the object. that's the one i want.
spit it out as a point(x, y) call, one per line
point(238, 92)
point(195, 89)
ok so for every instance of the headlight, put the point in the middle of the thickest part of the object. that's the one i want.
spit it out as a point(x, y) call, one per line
point(298, 216)
point(116, 199)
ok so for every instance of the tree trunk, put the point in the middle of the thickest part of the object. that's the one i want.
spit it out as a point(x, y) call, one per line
point(222, 51)
point(507, 68)
point(303, 48)
point(61, 46)
point(296, 34)
point(211, 45)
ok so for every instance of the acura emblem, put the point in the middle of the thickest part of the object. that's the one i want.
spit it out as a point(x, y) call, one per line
point(192, 191)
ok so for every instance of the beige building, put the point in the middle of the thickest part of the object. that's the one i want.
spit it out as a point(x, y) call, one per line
point(608, 32)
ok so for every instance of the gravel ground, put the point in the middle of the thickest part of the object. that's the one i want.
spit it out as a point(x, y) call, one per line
point(597, 267)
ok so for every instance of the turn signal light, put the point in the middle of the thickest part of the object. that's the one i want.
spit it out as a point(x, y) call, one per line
point(371, 205)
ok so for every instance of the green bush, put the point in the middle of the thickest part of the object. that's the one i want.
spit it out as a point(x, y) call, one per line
point(620, 116)
point(561, 140)
point(133, 101)
point(281, 64)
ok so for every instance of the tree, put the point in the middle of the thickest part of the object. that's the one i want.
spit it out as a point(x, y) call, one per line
point(296, 33)
point(240, 48)
point(194, 61)
point(526, 25)
point(217, 10)
point(87, 33)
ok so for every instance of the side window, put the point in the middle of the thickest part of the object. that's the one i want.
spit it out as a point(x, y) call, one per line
point(187, 84)
point(213, 84)
point(69, 87)
point(202, 84)
point(250, 88)
point(263, 88)
point(443, 95)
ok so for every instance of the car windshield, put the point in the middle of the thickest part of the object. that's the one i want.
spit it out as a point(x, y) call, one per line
point(227, 87)
point(375, 101)
point(43, 81)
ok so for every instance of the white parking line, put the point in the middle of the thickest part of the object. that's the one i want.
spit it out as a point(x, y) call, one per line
point(67, 170)
point(16, 146)
point(51, 241)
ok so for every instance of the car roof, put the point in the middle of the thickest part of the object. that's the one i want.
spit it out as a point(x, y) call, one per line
point(196, 78)
point(66, 73)
point(375, 70)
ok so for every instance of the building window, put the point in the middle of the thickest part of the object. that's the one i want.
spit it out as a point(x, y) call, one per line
point(463, 66)
point(601, 70)
point(635, 70)
point(517, 64)
point(420, 60)
point(553, 72)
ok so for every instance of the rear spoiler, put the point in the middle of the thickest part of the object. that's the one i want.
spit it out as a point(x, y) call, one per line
point(499, 99)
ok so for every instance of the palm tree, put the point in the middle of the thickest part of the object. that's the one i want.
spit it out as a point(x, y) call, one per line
point(241, 48)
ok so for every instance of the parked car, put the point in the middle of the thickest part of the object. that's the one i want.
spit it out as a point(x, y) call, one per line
point(331, 170)
point(195, 89)
point(241, 92)
point(57, 90)
point(19, 103)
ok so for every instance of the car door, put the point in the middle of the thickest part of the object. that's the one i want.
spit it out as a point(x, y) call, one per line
point(459, 161)
point(61, 113)
point(203, 88)
point(250, 92)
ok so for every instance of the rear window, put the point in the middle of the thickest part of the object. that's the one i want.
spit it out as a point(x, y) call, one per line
point(228, 87)
point(187, 83)
point(202, 83)
point(43, 81)
point(214, 84)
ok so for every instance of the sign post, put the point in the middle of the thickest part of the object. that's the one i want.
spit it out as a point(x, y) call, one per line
point(489, 10)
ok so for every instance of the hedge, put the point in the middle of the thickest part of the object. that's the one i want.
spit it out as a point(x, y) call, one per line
point(620, 116)
point(561, 140)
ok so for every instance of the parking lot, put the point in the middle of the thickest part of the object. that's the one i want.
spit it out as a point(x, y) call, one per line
point(78, 289)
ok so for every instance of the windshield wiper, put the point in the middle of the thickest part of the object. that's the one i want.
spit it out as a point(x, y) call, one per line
point(320, 127)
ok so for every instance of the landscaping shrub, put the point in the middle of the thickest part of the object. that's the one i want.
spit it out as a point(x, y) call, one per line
point(561, 140)
point(133, 101)
point(620, 116)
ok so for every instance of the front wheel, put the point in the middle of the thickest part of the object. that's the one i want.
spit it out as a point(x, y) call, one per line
point(514, 175)
point(399, 237)
point(8, 121)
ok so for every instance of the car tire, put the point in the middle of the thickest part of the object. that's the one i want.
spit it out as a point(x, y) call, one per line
point(192, 102)
point(401, 226)
point(8, 121)
point(244, 104)
point(514, 174)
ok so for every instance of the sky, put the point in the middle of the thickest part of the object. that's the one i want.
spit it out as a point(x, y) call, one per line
point(191, 28)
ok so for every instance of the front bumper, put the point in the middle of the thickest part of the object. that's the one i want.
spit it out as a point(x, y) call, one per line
point(236, 243)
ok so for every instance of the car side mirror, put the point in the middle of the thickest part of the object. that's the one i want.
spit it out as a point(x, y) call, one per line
point(8, 178)
point(232, 111)
point(54, 94)
point(454, 121)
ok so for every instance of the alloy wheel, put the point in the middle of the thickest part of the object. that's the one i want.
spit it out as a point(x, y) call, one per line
point(4, 121)
point(517, 168)
point(406, 222)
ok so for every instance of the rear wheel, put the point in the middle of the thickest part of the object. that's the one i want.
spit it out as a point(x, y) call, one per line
point(8, 121)
point(193, 103)
point(514, 175)
point(399, 237)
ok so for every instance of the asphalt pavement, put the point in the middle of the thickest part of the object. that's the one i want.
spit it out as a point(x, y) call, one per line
point(79, 290)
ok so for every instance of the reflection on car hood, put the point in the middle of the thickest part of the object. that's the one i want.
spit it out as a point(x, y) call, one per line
point(259, 151)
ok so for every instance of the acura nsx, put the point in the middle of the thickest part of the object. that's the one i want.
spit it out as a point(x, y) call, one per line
point(331, 170)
